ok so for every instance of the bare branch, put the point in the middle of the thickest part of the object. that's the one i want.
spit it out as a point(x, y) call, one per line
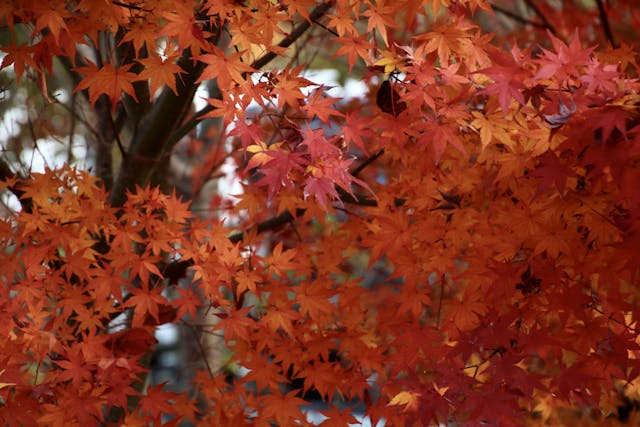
point(367, 162)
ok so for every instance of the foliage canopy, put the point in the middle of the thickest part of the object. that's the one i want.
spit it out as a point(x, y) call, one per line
point(458, 245)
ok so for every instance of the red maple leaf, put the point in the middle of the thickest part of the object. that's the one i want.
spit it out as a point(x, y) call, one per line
point(552, 171)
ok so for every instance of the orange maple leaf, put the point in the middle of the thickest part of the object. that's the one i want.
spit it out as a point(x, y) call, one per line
point(226, 68)
point(181, 24)
point(160, 72)
point(407, 398)
point(53, 19)
point(108, 81)
point(21, 56)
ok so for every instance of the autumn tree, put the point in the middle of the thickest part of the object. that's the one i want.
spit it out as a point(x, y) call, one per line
point(457, 245)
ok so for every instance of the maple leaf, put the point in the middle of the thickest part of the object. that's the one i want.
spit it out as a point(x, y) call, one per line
point(266, 374)
point(319, 186)
point(451, 76)
point(407, 398)
point(314, 300)
point(338, 418)
point(249, 133)
point(223, 108)
point(141, 34)
point(388, 100)
point(503, 268)
point(156, 401)
point(600, 77)
point(160, 71)
point(354, 49)
point(356, 128)
point(145, 301)
point(566, 61)
point(319, 106)
point(380, 19)
point(606, 119)
point(439, 136)
point(448, 38)
point(390, 62)
point(280, 261)
point(342, 22)
point(552, 171)
point(323, 177)
point(288, 88)
point(236, 325)
point(176, 210)
point(466, 313)
point(283, 408)
point(280, 320)
point(107, 80)
point(278, 166)
point(247, 281)
point(75, 369)
point(414, 301)
point(21, 56)
point(84, 408)
point(490, 128)
point(508, 84)
point(227, 69)
point(553, 244)
point(187, 303)
point(53, 19)
point(181, 24)
point(3, 384)
point(133, 341)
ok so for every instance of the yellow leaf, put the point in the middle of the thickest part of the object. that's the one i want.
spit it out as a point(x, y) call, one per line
point(3, 385)
point(390, 62)
point(407, 398)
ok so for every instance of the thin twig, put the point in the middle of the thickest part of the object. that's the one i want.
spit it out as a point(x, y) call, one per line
point(76, 115)
point(604, 18)
point(629, 328)
point(130, 6)
point(517, 17)
point(203, 352)
point(367, 162)
point(321, 25)
point(440, 302)
point(541, 15)
point(72, 128)
point(116, 135)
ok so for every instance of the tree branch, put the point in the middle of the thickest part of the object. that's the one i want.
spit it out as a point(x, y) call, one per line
point(604, 18)
point(367, 162)
point(540, 15)
point(159, 130)
point(517, 18)
point(151, 139)
point(295, 34)
point(104, 141)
